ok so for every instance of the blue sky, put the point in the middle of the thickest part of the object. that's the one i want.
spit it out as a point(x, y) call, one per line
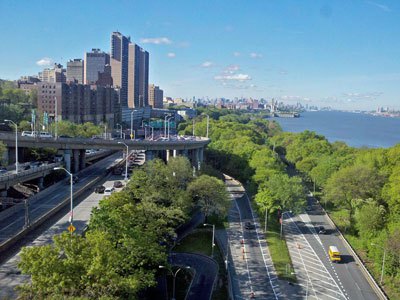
point(345, 54)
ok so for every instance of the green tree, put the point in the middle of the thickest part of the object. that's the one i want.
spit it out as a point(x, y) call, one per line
point(91, 267)
point(350, 184)
point(209, 193)
point(286, 192)
point(3, 149)
point(370, 219)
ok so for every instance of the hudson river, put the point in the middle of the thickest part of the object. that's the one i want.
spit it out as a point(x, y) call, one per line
point(355, 129)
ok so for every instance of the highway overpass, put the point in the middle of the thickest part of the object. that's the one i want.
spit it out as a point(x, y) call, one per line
point(74, 148)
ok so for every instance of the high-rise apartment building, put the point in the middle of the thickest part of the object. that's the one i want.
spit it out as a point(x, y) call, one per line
point(138, 77)
point(119, 64)
point(156, 96)
point(56, 74)
point(75, 70)
point(95, 65)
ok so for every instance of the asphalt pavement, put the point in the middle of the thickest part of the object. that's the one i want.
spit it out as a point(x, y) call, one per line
point(10, 275)
point(205, 273)
point(319, 277)
point(252, 273)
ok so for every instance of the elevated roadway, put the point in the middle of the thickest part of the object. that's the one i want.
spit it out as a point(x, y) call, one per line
point(181, 143)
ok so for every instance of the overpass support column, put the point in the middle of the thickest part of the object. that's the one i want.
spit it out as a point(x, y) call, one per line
point(149, 155)
point(82, 159)
point(197, 158)
point(201, 154)
point(167, 155)
point(174, 152)
point(185, 153)
point(76, 160)
point(67, 159)
point(40, 183)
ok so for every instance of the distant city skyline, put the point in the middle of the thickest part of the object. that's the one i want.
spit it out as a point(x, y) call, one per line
point(326, 53)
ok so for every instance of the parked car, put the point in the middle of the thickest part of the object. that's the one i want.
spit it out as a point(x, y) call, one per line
point(249, 225)
point(118, 184)
point(3, 170)
point(99, 189)
point(108, 191)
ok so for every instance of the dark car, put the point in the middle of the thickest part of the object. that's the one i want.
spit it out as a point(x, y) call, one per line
point(249, 226)
point(75, 179)
point(99, 189)
point(321, 230)
point(118, 184)
point(3, 170)
point(64, 136)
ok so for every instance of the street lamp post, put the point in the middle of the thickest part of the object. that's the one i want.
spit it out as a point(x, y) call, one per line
point(152, 132)
point(168, 125)
point(174, 277)
point(16, 144)
point(132, 135)
point(120, 132)
point(213, 236)
point(126, 159)
point(383, 261)
point(71, 214)
point(289, 211)
point(208, 123)
point(165, 124)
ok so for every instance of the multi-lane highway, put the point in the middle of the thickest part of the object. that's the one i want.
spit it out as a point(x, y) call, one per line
point(251, 268)
point(10, 276)
point(51, 198)
point(319, 277)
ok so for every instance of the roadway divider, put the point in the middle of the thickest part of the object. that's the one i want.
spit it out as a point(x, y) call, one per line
point(375, 286)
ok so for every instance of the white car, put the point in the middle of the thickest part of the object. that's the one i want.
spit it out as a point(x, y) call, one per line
point(108, 191)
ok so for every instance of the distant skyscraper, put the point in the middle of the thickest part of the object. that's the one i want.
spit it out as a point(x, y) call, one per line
point(119, 64)
point(138, 77)
point(155, 96)
point(56, 74)
point(95, 63)
point(75, 71)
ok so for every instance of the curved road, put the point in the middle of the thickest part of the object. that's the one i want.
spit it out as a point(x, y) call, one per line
point(206, 271)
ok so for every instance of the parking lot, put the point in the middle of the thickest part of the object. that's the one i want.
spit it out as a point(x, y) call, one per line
point(312, 274)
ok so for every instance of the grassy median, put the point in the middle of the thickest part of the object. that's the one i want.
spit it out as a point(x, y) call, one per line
point(279, 251)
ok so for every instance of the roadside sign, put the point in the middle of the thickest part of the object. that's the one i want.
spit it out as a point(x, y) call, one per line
point(71, 228)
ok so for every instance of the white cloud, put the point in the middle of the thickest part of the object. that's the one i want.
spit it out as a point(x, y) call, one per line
point(231, 69)
point(355, 97)
point(237, 77)
point(255, 55)
point(156, 41)
point(385, 8)
point(44, 62)
point(171, 54)
point(207, 64)
point(236, 54)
